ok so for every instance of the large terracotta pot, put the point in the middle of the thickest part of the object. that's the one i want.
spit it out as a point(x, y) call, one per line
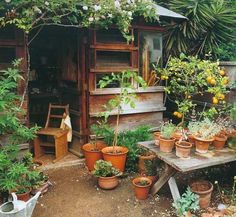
point(183, 149)
point(141, 191)
point(108, 182)
point(202, 145)
point(116, 155)
point(219, 142)
point(141, 163)
point(92, 155)
point(167, 145)
point(204, 190)
point(157, 137)
point(24, 196)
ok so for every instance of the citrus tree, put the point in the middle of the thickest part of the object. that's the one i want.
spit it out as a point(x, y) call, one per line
point(189, 76)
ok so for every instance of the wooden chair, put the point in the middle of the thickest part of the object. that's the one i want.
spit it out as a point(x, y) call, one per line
point(59, 135)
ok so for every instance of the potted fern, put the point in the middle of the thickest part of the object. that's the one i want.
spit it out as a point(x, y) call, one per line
point(187, 203)
point(117, 153)
point(107, 174)
point(167, 140)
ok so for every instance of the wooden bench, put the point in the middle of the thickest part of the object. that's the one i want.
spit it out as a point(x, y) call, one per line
point(173, 164)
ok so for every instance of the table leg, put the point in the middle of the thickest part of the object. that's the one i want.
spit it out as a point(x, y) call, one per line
point(168, 172)
point(174, 189)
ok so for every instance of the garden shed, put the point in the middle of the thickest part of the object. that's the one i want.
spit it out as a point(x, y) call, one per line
point(66, 65)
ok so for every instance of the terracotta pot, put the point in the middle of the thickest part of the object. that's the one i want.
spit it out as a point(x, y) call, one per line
point(191, 139)
point(202, 145)
point(116, 155)
point(141, 162)
point(204, 190)
point(91, 155)
point(25, 196)
point(167, 145)
point(183, 149)
point(177, 136)
point(219, 141)
point(157, 137)
point(108, 182)
point(141, 192)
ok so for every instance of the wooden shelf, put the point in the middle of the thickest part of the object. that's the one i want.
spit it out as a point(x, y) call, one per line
point(114, 47)
point(112, 69)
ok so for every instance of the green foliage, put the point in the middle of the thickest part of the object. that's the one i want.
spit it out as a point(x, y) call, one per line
point(151, 167)
point(233, 112)
point(28, 14)
point(13, 173)
point(225, 52)
point(143, 182)
point(104, 169)
point(9, 107)
point(190, 77)
point(210, 22)
point(188, 202)
point(167, 130)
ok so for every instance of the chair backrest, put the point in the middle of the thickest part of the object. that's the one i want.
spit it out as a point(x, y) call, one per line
point(64, 108)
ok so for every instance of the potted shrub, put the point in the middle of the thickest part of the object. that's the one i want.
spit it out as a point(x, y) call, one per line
point(188, 203)
point(92, 150)
point(167, 141)
point(204, 190)
point(183, 149)
point(141, 187)
point(117, 153)
point(106, 173)
point(205, 131)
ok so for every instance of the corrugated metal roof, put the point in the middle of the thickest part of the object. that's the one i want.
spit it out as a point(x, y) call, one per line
point(164, 12)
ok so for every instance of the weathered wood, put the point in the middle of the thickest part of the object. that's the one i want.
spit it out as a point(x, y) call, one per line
point(167, 173)
point(196, 160)
point(174, 189)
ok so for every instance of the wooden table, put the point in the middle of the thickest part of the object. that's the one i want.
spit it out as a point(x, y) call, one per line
point(174, 164)
point(60, 142)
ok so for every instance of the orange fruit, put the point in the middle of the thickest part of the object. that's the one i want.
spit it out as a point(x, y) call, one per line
point(222, 72)
point(175, 113)
point(221, 96)
point(215, 100)
point(225, 80)
point(213, 81)
point(179, 115)
point(208, 79)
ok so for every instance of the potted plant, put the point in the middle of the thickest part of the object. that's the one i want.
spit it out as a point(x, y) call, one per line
point(183, 149)
point(167, 141)
point(141, 187)
point(205, 131)
point(186, 204)
point(106, 173)
point(92, 150)
point(204, 190)
point(117, 153)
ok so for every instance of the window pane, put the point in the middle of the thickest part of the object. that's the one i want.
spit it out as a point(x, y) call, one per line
point(7, 55)
point(112, 36)
point(150, 53)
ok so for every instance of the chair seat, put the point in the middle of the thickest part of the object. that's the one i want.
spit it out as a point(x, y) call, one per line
point(56, 132)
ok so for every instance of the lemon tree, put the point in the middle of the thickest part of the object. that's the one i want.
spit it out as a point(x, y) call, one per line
point(188, 77)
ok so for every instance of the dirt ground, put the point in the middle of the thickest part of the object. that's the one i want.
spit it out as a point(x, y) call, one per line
point(75, 194)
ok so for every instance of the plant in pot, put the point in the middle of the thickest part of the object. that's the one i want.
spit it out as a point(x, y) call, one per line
point(205, 131)
point(186, 204)
point(142, 186)
point(117, 153)
point(167, 141)
point(92, 150)
point(107, 174)
point(204, 190)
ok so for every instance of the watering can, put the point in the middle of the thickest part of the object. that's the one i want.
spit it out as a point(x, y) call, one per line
point(18, 208)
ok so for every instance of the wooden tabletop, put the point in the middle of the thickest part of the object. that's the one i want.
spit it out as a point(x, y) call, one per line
point(196, 160)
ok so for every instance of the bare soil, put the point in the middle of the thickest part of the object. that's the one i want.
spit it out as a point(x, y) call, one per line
point(75, 194)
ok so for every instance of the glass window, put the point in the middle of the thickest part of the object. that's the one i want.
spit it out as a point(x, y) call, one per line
point(150, 54)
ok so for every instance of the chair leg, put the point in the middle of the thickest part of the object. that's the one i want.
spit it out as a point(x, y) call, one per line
point(61, 147)
point(38, 150)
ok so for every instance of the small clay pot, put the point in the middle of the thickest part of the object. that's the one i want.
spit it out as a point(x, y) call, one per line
point(157, 137)
point(167, 145)
point(202, 145)
point(191, 139)
point(219, 141)
point(183, 149)
point(116, 155)
point(24, 196)
point(108, 182)
point(141, 192)
point(177, 135)
point(141, 162)
point(204, 190)
point(92, 155)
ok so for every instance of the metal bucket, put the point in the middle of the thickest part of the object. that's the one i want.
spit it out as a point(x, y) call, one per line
point(13, 209)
